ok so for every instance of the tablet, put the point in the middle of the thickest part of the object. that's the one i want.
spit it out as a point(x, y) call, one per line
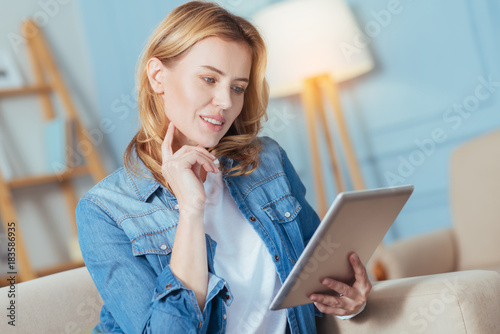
point(357, 221)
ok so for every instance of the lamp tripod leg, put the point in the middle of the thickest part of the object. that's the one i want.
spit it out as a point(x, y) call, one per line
point(354, 172)
point(310, 102)
point(337, 171)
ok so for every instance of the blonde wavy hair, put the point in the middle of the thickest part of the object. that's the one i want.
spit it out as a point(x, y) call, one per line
point(177, 33)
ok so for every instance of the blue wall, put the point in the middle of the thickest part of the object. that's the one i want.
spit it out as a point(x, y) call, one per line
point(430, 57)
point(116, 32)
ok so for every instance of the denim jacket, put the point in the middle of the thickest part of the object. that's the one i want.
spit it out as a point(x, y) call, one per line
point(126, 227)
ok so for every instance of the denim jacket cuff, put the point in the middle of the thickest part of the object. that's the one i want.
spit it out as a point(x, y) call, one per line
point(183, 304)
point(167, 283)
point(218, 287)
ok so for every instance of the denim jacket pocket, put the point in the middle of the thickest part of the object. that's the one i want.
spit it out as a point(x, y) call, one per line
point(283, 212)
point(154, 242)
point(151, 230)
point(156, 247)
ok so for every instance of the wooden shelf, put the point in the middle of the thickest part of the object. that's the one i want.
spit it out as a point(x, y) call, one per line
point(47, 178)
point(26, 90)
point(49, 84)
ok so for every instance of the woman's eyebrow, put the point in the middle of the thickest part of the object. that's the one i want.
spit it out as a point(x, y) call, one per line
point(216, 70)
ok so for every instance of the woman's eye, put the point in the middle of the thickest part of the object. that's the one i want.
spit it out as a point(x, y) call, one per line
point(209, 80)
point(238, 90)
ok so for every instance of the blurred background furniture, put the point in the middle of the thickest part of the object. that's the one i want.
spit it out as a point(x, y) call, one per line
point(308, 54)
point(68, 302)
point(472, 242)
point(48, 83)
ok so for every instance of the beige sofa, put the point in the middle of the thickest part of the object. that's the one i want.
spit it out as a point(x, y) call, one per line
point(472, 243)
point(455, 302)
point(463, 302)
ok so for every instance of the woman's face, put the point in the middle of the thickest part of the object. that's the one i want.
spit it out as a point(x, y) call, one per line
point(203, 90)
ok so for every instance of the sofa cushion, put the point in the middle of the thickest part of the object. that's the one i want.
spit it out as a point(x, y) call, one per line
point(66, 302)
point(459, 302)
point(474, 187)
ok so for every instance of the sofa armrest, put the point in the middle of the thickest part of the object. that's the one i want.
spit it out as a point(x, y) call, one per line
point(66, 302)
point(457, 302)
point(427, 254)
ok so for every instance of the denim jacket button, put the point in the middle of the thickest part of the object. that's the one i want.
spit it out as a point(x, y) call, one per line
point(176, 207)
point(276, 258)
point(287, 214)
point(168, 286)
point(252, 218)
point(163, 247)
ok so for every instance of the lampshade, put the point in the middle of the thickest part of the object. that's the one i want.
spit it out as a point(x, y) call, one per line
point(305, 38)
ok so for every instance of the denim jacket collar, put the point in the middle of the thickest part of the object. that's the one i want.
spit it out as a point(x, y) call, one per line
point(144, 186)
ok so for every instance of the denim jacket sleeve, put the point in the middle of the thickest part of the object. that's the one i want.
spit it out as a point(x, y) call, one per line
point(139, 300)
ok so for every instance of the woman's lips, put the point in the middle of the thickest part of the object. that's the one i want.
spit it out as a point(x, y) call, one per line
point(216, 118)
point(213, 127)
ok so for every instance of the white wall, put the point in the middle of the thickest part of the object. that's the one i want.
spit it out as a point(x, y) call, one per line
point(42, 213)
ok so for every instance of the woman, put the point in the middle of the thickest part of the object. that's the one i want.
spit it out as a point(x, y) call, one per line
point(199, 229)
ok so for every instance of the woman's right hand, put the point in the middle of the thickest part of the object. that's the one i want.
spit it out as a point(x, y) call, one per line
point(183, 172)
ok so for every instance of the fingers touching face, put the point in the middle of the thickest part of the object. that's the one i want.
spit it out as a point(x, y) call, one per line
point(166, 146)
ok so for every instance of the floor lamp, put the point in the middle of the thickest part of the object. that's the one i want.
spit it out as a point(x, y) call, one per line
point(312, 46)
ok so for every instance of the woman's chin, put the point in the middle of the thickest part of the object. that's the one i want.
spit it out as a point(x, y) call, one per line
point(208, 143)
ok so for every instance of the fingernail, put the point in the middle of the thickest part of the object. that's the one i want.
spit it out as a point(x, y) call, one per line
point(314, 298)
point(327, 281)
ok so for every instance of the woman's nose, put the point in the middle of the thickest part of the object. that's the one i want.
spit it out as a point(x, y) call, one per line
point(222, 98)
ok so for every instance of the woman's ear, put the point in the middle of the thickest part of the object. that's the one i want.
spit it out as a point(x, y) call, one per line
point(156, 72)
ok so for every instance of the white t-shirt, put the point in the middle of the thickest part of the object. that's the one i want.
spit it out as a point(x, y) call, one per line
point(242, 259)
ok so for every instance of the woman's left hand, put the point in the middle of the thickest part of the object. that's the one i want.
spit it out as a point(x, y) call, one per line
point(352, 297)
